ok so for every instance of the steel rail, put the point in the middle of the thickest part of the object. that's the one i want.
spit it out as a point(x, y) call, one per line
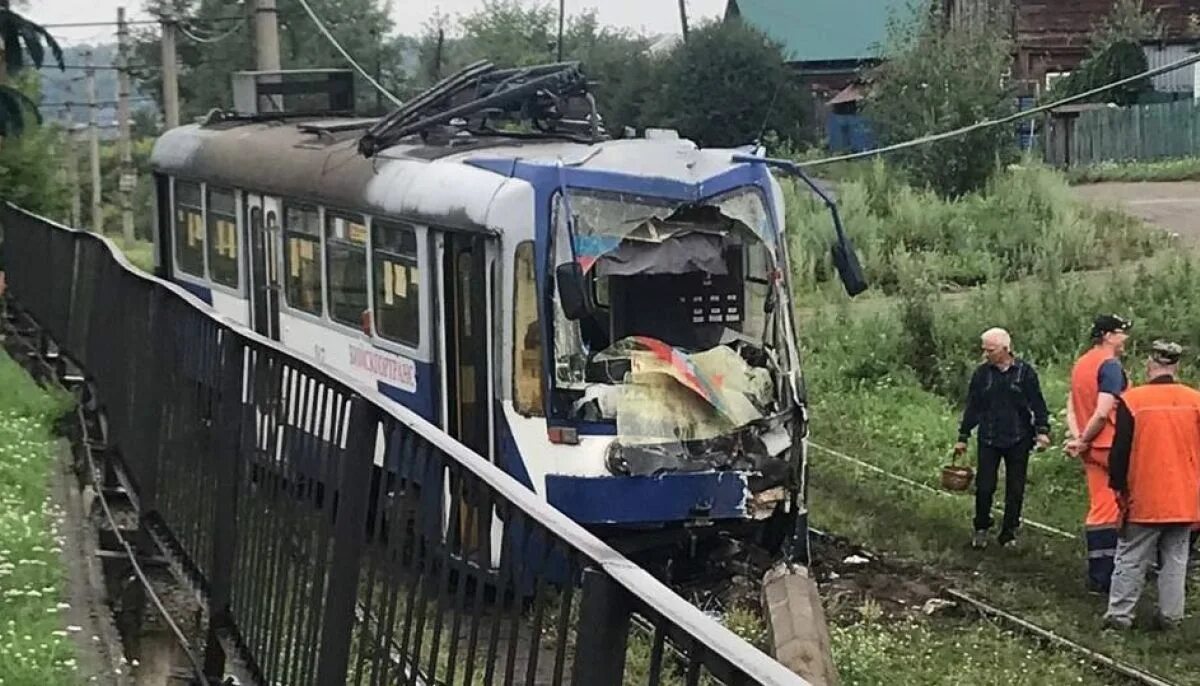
point(1045, 528)
point(180, 638)
point(1108, 662)
point(1119, 666)
point(86, 446)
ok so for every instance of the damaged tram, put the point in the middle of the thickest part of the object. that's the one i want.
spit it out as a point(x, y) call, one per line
point(608, 321)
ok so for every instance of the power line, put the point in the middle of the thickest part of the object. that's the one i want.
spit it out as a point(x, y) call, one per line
point(987, 123)
point(211, 39)
point(320, 25)
point(140, 22)
point(99, 103)
point(82, 67)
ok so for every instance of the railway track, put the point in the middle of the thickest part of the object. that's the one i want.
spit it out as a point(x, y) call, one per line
point(1014, 621)
point(738, 560)
point(904, 587)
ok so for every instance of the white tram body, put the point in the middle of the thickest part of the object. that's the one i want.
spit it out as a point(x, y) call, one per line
point(429, 271)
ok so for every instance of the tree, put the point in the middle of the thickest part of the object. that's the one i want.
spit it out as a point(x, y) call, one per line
point(31, 164)
point(361, 26)
point(1129, 20)
point(1116, 54)
point(512, 33)
point(728, 84)
point(935, 79)
point(20, 39)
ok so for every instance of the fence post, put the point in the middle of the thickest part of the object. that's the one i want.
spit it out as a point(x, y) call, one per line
point(151, 408)
point(224, 523)
point(604, 620)
point(349, 532)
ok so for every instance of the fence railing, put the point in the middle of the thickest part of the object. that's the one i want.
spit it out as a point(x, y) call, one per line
point(1123, 134)
point(323, 566)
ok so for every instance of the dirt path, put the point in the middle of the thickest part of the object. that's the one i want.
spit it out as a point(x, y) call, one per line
point(1173, 206)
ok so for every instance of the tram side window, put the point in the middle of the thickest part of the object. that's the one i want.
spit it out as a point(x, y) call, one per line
point(527, 337)
point(397, 282)
point(346, 253)
point(302, 256)
point(222, 237)
point(189, 228)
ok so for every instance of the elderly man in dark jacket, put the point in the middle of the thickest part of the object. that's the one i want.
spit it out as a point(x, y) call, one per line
point(1005, 401)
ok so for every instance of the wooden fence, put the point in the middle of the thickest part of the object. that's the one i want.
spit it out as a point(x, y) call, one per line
point(1121, 134)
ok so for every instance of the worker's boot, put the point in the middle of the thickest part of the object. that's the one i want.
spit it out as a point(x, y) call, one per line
point(979, 540)
point(1008, 539)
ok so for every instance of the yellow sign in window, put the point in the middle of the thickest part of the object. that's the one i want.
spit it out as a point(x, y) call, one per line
point(226, 239)
point(195, 230)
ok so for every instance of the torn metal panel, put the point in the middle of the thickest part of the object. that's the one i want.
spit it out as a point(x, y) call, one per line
point(679, 253)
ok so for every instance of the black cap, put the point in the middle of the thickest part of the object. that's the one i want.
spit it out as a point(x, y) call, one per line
point(1165, 352)
point(1110, 323)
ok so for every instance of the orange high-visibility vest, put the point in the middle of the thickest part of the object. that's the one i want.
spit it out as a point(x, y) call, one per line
point(1085, 387)
point(1164, 459)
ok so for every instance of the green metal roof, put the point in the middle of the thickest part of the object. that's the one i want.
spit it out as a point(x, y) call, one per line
point(822, 30)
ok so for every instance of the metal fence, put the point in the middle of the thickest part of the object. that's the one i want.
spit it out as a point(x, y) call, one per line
point(1122, 134)
point(318, 564)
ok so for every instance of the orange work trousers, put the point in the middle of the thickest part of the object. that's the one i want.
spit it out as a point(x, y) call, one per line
point(1102, 521)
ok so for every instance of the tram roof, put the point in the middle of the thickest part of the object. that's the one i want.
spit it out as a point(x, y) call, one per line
point(293, 160)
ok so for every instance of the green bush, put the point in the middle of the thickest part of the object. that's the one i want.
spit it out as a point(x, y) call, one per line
point(1024, 222)
point(1183, 169)
point(931, 342)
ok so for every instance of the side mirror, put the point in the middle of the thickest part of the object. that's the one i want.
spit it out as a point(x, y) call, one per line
point(845, 260)
point(573, 291)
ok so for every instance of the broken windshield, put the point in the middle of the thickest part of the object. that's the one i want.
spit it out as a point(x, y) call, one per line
point(681, 343)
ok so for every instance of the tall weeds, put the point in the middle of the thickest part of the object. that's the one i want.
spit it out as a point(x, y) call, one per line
point(1024, 223)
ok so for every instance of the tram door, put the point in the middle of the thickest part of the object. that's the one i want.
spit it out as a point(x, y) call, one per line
point(466, 318)
point(262, 235)
point(467, 347)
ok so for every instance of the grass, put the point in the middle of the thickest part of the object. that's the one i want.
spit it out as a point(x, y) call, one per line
point(886, 378)
point(1024, 223)
point(874, 652)
point(870, 648)
point(34, 644)
point(139, 252)
point(1183, 169)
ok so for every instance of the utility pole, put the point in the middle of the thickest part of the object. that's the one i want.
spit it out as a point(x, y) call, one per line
point(378, 70)
point(683, 18)
point(266, 40)
point(561, 11)
point(94, 140)
point(266, 36)
point(72, 162)
point(437, 56)
point(127, 178)
point(170, 76)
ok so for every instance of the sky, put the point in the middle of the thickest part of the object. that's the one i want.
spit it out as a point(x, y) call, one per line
point(651, 16)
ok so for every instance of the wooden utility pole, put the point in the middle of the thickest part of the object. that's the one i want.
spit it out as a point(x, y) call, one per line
point(266, 41)
point(94, 141)
point(683, 19)
point(561, 11)
point(437, 56)
point(266, 36)
point(127, 175)
point(170, 74)
point(72, 162)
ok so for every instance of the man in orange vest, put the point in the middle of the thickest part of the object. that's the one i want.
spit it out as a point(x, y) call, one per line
point(1154, 466)
point(1097, 380)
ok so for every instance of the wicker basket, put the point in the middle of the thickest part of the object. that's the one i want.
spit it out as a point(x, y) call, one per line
point(956, 477)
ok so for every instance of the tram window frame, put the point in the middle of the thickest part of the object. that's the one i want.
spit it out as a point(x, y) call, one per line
point(187, 219)
point(339, 248)
point(295, 238)
point(528, 400)
point(379, 279)
point(223, 269)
